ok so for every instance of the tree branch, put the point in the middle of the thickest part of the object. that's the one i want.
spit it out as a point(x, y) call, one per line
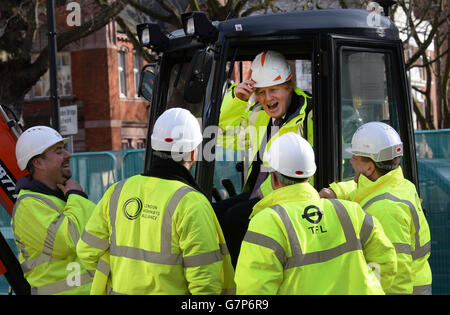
point(152, 14)
point(136, 44)
point(257, 7)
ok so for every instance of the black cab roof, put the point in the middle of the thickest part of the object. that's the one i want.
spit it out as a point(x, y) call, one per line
point(335, 21)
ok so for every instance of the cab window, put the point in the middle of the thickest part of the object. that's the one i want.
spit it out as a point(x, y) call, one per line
point(366, 94)
point(177, 83)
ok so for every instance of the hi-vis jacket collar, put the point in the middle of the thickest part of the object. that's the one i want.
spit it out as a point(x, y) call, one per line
point(297, 192)
point(367, 187)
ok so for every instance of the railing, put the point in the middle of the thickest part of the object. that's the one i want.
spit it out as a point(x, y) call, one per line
point(433, 161)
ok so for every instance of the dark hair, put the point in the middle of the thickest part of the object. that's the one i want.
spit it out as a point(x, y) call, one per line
point(30, 166)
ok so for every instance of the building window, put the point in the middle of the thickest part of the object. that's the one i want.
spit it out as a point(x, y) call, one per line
point(136, 72)
point(122, 72)
point(42, 87)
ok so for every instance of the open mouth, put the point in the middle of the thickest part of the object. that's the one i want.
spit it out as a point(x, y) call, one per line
point(66, 165)
point(272, 107)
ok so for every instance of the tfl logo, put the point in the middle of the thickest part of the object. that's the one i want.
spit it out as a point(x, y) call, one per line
point(314, 215)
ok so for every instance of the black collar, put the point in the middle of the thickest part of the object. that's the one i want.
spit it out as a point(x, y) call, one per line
point(169, 169)
point(27, 182)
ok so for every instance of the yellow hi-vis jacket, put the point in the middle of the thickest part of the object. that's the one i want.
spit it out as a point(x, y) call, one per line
point(46, 231)
point(394, 201)
point(243, 125)
point(159, 236)
point(297, 243)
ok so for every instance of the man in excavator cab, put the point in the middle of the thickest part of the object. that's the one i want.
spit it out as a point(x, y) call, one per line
point(253, 113)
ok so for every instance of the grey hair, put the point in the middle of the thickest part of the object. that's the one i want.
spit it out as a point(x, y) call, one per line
point(287, 181)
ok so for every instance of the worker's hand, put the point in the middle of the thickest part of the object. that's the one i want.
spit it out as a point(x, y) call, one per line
point(244, 89)
point(69, 185)
point(327, 193)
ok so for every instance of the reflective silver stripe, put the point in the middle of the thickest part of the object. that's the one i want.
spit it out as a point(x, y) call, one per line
point(228, 292)
point(266, 241)
point(420, 251)
point(202, 259)
point(292, 235)
point(73, 231)
point(346, 223)
point(51, 235)
point(113, 203)
point(60, 286)
point(299, 259)
point(402, 248)
point(104, 267)
point(145, 255)
point(366, 229)
point(422, 290)
point(166, 228)
point(94, 241)
point(224, 249)
point(165, 256)
point(47, 251)
point(29, 265)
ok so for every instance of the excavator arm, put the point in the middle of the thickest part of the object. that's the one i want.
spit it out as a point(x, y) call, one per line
point(9, 174)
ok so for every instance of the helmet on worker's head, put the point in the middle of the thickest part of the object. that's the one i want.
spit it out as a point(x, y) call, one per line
point(270, 68)
point(176, 131)
point(376, 140)
point(291, 156)
point(35, 141)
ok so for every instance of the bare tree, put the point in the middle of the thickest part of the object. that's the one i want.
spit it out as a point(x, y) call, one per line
point(20, 21)
point(427, 22)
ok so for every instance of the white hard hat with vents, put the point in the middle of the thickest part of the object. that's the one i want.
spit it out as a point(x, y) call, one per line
point(376, 140)
point(176, 131)
point(35, 141)
point(270, 68)
point(292, 156)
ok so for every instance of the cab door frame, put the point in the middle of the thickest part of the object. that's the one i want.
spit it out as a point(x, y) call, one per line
point(396, 75)
point(205, 169)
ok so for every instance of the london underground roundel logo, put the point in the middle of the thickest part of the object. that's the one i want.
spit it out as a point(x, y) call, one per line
point(132, 208)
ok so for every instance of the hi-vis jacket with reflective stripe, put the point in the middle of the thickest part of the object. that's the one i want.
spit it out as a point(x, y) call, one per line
point(394, 201)
point(243, 125)
point(297, 243)
point(46, 231)
point(161, 236)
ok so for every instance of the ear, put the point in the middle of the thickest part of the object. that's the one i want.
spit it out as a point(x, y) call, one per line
point(275, 181)
point(37, 163)
point(370, 169)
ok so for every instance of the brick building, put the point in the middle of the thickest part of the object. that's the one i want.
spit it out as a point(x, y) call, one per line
point(99, 74)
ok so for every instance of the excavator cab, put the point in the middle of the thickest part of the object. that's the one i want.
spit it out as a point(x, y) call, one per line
point(349, 61)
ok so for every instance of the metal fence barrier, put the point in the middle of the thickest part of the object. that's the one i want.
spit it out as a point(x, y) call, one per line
point(433, 161)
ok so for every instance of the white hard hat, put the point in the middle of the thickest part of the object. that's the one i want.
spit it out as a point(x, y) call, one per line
point(176, 130)
point(376, 140)
point(292, 156)
point(35, 141)
point(270, 68)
